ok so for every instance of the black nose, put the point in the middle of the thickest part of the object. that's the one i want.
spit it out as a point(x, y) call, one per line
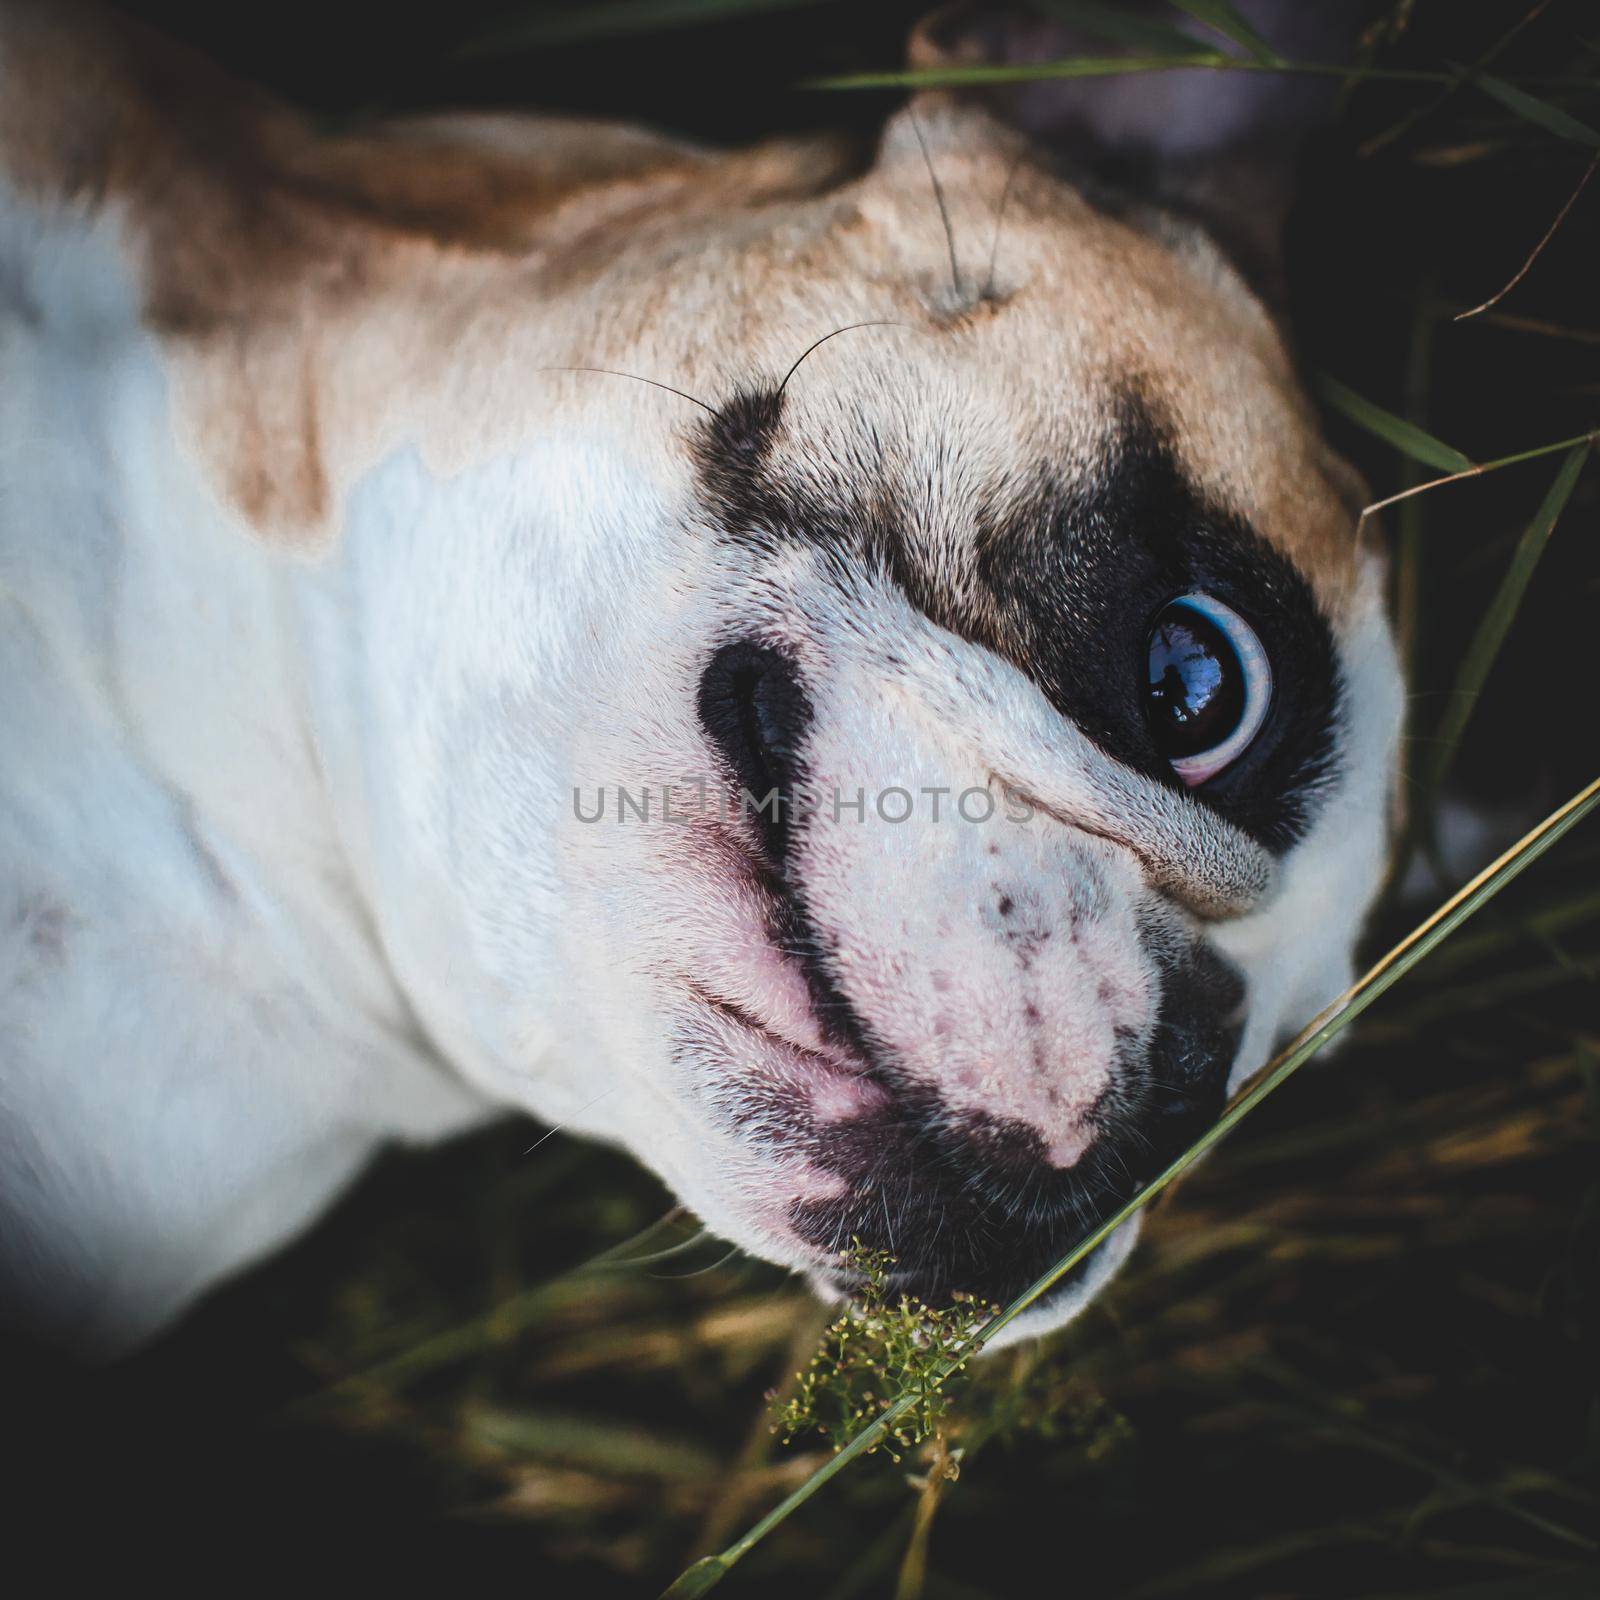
point(969, 1202)
point(754, 710)
point(1185, 1070)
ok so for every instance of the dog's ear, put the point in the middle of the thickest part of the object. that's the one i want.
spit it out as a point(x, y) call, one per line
point(1214, 144)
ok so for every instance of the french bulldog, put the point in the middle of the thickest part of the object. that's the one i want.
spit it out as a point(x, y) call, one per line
point(852, 676)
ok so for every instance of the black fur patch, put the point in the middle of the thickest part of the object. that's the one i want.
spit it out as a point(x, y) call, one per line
point(732, 452)
point(1068, 575)
point(755, 710)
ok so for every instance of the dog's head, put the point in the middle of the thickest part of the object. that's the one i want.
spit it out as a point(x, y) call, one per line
point(1031, 603)
point(1014, 722)
point(895, 783)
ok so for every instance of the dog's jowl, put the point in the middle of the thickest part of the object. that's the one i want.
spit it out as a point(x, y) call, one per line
point(850, 674)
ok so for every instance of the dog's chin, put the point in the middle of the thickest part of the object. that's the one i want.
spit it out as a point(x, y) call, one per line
point(1053, 1309)
point(796, 1204)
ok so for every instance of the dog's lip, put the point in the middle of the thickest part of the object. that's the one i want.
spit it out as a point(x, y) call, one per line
point(742, 1017)
point(824, 1083)
point(837, 1085)
point(771, 906)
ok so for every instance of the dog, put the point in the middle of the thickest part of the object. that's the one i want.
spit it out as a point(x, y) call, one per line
point(852, 676)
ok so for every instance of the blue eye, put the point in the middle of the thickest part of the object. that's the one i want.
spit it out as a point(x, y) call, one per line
point(1208, 685)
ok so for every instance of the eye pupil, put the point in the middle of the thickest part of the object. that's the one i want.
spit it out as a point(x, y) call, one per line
point(1196, 686)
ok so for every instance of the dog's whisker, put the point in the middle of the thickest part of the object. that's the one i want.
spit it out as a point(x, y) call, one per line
point(654, 383)
point(561, 1127)
point(682, 1247)
point(938, 195)
point(698, 1272)
point(879, 322)
point(999, 220)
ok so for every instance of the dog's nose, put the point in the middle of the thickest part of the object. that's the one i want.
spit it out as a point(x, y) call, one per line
point(1186, 1067)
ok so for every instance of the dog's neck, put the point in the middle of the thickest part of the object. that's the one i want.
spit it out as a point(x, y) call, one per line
point(276, 693)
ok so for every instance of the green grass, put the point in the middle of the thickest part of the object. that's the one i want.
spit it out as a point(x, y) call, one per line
point(1356, 1352)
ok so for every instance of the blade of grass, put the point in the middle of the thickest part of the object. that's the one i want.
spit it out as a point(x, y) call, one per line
point(1412, 824)
point(1497, 620)
point(1538, 249)
point(1584, 439)
point(1539, 112)
point(706, 1573)
point(505, 1320)
point(1335, 1416)
point(1111, 66)
point(913, 1579)
point(609, 19)
point(1406, 437)
point(1550, 330)
point(1551, 920)
point(1409, 567)
point(1223, 17)
point(606, 1445)
point(977, 76)
point(1406, 123)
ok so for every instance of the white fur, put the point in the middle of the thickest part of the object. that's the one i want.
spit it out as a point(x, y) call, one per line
point(288, 861)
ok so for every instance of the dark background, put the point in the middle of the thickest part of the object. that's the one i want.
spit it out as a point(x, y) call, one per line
point(1394, 1331)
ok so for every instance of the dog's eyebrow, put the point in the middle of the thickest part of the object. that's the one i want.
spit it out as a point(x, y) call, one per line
point(731, 454)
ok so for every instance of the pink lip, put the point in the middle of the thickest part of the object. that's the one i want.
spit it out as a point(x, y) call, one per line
point(756, 990)
point(745, 971)
point(831, 1081)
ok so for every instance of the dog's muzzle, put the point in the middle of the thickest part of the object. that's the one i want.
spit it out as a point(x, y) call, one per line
point(968, 1202)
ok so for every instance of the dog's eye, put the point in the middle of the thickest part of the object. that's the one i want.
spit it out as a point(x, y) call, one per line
point(1209, 685)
